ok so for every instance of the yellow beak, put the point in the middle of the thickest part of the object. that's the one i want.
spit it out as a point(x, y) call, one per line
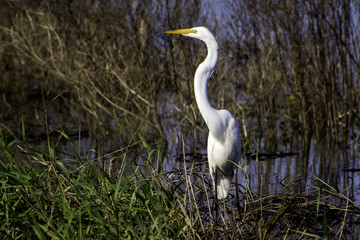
point(181, 31)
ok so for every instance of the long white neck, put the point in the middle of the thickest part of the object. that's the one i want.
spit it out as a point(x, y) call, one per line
point(202, 75)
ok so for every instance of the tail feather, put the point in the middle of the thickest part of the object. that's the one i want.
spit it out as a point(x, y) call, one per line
point(223, 184)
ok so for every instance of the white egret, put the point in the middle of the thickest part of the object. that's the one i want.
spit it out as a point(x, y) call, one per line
point(224, 142)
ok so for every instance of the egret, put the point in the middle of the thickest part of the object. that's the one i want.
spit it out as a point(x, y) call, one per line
point(224, 142)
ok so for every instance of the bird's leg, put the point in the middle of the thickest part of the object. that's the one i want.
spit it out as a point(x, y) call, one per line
point(215, 182)
point(216, 199)
point(237, 192)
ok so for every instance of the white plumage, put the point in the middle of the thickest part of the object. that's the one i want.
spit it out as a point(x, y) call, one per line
point(224, 142)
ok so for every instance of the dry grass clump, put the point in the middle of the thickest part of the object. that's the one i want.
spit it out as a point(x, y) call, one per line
point(90, 53)
point(298, 65)
point(107, 59)
point(288, 73)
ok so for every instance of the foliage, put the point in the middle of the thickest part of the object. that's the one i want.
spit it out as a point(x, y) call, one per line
point(42, 198)
point(288, 71)
point(113, 63)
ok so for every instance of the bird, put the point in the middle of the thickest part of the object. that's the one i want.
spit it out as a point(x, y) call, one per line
point(224, 141)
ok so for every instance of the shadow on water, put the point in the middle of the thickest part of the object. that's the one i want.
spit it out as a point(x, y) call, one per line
point(270, 173)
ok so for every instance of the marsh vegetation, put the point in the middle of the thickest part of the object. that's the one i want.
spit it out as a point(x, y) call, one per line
point(100, 136)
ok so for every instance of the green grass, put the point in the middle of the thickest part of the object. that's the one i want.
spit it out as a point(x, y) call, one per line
point(42, 198)
point(45, 197)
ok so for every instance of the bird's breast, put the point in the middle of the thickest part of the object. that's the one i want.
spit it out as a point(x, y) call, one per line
point(223, 153)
